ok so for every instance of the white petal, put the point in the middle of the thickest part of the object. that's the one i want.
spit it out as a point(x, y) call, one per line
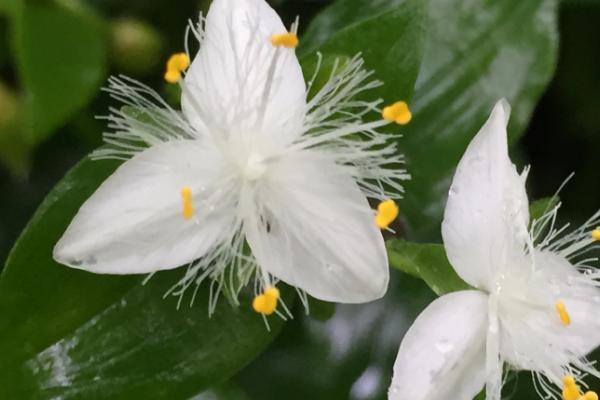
point(442, 355)
point(486, 216)
point(533, 330)
point(134, 223)
point(317, 231)
point(239, 82)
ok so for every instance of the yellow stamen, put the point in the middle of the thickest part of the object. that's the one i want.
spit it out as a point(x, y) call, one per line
point(387, 212)
point(266, 303)
point(590, 396)
point(561, 309)
point(596, 234)
point(176, 64)
point(188, 202)
point(288, 39)
point(398, 113)
point(571, 390)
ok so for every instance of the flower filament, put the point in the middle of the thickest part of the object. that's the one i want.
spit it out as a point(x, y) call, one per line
point(266, 302)
point(288, 40)
point(398, 113)
point(187, 202)
point(563, 314)
point(176, 64)
point(387, 212)
point(571, 390)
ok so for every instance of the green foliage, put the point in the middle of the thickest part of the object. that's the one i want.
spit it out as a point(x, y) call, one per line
point(475, 54)
point(70, 333)
point(60, 54)
point(395, 55)
point(426, 261)
point(59, 50)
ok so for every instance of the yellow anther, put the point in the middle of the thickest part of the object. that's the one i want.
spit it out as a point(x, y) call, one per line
point(266, 302)
point(288, 39)
point(387, 212)
point(398, 113)
point(596, 234)
point(187, 202)
point(176, 64)
point(561, 309)
point(590, 396)
point(571, 390)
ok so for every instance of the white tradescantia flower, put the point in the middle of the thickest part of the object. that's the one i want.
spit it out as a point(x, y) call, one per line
point(535, 307)
point(251, 181)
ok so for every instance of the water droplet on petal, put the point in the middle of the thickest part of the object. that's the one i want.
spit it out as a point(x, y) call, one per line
point(444, 346)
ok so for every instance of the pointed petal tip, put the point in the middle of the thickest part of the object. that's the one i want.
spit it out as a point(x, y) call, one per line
point(502, 108)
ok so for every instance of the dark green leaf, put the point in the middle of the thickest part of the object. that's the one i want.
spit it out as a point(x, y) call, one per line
point(391, 44)
point(227, 391)
point(320, 310)
point(476, 53)
point(509, 50)
point(71, 334)
point(427, 261)
point(60, 54)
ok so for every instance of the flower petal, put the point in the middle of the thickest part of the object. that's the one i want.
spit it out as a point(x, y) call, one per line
point(442, 355)
point(239, 82)
point(486, 215)
point(134, 223)
point(316, 231)
point(556, 280)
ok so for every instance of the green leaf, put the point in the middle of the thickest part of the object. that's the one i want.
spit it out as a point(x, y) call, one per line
point(538, 208)
point(60, 53)
point(476, 53)
point(391, 44)
point(71, 334)
point(227, 391)
point(427, 261)
point(508, 50)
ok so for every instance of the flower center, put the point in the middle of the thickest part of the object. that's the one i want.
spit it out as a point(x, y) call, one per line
point(255, 167)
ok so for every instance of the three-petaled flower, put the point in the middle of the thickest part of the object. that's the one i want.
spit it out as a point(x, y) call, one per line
point(251, 181)
point(535, 307)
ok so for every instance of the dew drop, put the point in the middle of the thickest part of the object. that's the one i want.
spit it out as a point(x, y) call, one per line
point(444, 346)
point(498, 287)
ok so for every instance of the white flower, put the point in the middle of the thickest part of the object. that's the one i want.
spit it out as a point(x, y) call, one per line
point(251, 181)
point(535, 307)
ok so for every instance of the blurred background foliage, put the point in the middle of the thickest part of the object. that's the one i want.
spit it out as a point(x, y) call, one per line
point(55, 56)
